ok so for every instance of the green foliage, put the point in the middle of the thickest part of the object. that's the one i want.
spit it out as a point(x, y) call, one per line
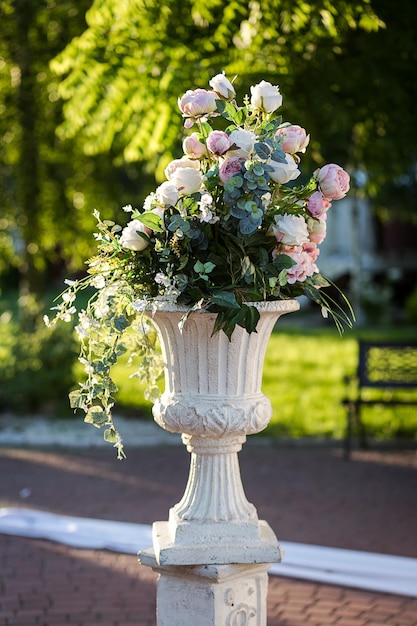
point(36, 366)
point(48, 186)
point(120, 75)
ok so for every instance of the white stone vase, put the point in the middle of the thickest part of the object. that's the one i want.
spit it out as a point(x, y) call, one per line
point(213, 398)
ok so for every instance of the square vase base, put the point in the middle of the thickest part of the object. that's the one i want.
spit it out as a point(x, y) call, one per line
point(219, 550)
point(209, 595)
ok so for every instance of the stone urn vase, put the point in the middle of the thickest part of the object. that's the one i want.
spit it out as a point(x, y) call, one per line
point(213, 398)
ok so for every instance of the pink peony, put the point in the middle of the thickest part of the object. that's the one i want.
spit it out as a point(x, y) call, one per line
point(317, 204)
point(333, 181)
point(311, 249)
point(218, 142)
point(294, 138)
point(304, 264)
point(197, 102)
point(229, 168)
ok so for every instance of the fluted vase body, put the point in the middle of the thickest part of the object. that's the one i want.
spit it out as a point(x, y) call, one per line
point(213, 398)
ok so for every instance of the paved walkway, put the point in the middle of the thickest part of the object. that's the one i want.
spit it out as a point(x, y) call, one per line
point(308, 495)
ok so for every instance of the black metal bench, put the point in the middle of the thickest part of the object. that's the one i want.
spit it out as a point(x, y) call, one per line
point(391, 368)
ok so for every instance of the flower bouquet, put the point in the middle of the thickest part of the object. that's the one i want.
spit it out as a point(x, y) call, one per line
point(224, 231)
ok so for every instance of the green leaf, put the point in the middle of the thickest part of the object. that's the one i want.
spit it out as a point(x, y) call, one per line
point(225, 299)
point(110, 435)
point(120, 323)
point(77, 399)
point(262, 150)
point(96, 416)
point(152, 221)
point(251, 318)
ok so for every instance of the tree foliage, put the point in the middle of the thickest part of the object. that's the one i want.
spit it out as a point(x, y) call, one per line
point(122, 76)
point(48, 185)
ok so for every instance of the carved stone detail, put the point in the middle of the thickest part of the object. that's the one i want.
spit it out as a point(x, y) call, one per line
point(215, 418)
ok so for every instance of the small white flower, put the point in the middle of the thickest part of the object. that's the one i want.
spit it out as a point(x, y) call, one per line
point(98, 282)
point(139, 305)
point(149, 201)
point(127, 208)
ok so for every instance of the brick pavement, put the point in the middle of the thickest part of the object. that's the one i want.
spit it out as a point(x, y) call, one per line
point(308, 495)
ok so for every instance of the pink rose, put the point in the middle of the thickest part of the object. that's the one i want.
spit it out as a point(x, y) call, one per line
point(229, 168)
point(317, 229)
point(333, 181)
point(197, 102)
point(130, 237)
point(218, 142)
point(294, 138)
point(317, 204)
point(193, 147)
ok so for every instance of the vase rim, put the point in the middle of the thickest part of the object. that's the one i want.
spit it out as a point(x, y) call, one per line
point(270, 306)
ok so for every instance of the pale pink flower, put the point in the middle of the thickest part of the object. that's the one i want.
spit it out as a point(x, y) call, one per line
point(317, 229)
point(193, 147)
point(333, 181)
point(293, 138)
point(197, 103)
point(218, 142)
point(266, 97)
point(317, 204)
point(177, 163)
point(229, 168)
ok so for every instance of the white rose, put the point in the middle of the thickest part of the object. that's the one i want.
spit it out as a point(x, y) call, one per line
point(167, 193)
point(222, 86)
point(245, 140)
point(177, 163)
point(284, 172)
point(291, 230)
point(131, 239)
point(266, 97)
point(187, 180)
